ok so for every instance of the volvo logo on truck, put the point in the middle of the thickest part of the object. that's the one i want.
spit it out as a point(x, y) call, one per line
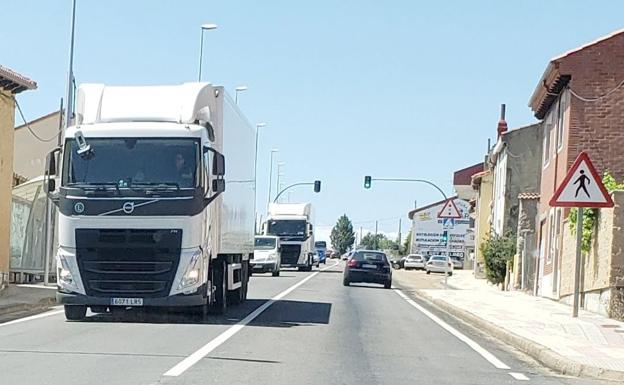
point(128, 207)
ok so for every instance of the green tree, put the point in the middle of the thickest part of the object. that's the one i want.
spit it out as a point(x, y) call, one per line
point(373, 242)
point(407, 243)
point(342, 236)
point(498, 251)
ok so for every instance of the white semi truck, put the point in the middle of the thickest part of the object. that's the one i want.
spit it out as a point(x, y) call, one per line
point(155, 190)
point(293, 224)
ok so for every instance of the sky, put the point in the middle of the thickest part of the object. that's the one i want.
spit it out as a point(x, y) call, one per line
point(408, 89)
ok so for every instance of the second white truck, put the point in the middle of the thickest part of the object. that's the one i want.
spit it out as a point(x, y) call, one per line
point(293, 224)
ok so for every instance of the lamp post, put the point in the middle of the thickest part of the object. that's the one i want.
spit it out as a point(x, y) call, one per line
point(204, 27)
point(273, 151)
point(279, 175)
point(70, 71)
point(237, 90)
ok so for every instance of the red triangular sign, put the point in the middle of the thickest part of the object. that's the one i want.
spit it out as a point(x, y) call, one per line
point(582, 187)
point(449, 210)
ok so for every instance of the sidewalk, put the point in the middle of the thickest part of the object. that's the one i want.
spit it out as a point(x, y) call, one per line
point(26, 298)
point(590, 345)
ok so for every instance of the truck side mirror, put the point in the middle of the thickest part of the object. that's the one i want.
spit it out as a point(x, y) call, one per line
point(218, 186)
point(50, 171)
point(218, 164)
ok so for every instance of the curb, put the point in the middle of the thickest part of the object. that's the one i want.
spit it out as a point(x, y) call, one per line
point(539, 352)
point(21, 307)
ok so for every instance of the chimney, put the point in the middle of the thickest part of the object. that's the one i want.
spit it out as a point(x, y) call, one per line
point(502, 124)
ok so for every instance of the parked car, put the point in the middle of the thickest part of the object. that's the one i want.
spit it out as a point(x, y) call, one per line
point(439, 264)
point(458, 262)
point(368, 266)
point(346, 255)
point(399, 263)
point(414, 261)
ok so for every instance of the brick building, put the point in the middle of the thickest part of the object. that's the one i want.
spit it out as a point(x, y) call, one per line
point(580, 99)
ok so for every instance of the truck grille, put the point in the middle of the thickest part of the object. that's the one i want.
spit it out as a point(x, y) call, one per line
point(290, 254)
point(128, 262)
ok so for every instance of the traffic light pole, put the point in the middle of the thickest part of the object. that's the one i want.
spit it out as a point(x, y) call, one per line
point(315, 183)
point(412, 180)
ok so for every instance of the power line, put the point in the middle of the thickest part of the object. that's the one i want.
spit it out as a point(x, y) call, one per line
point(19, 109)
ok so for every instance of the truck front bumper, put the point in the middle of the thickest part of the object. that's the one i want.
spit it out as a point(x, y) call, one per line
point(174, 300)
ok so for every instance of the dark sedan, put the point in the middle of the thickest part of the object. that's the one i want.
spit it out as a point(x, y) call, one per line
point(369, 267)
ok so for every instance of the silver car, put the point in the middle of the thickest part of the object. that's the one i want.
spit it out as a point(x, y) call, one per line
point(414, 261)
point(439, 264)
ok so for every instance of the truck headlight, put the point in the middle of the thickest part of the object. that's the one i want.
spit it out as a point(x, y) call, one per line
point(193, 271)
point(64, 273)
point(271, 257)
point(68, 277)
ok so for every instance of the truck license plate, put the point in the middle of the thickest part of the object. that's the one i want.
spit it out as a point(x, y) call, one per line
point(127, 301)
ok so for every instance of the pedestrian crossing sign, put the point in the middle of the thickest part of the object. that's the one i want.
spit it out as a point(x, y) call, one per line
point(582, 187)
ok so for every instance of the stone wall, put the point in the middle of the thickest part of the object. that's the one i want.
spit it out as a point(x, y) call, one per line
point(603, 268)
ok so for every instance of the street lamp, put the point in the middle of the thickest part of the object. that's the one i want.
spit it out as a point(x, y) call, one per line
point(204, 27)
point(70, 71)
point(239, 89)
point(273, 151)
point(279, 174)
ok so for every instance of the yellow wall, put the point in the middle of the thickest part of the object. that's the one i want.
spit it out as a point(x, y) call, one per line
point(7, 117)
point(483, 211)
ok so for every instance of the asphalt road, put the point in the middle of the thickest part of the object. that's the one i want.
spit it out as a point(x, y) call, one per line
point(299, 328)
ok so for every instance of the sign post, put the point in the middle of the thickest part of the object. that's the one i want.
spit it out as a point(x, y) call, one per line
point(449, 212)
point(582, 188)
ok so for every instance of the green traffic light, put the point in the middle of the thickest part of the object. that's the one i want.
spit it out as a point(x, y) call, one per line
point(367, 181)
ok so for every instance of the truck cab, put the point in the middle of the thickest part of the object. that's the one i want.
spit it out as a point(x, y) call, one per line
point(293, 224)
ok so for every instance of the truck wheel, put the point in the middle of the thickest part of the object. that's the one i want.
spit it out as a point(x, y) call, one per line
point(75, 312)
point(276, 272)
point(219, 305)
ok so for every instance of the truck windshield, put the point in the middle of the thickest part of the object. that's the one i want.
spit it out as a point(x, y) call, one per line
point(265, 243)
point(287, 227)
point(320, 245)
point(133, 162)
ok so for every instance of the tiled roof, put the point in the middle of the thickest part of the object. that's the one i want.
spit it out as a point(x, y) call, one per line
point(14, 82)
point(528, 195)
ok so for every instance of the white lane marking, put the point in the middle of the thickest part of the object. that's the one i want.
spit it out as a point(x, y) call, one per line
point(519, 376)
point(468, 341)
point(34, 317)
point(202, 352)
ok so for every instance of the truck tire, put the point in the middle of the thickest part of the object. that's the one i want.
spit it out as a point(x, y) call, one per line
point(276, 273)
point(219, 304)
point(75, 312)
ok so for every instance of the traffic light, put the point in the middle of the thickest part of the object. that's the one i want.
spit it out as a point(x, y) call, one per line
point(317, 186)
point(445, 237)
point(367, 181)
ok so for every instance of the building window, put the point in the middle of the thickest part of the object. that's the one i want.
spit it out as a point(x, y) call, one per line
point(546, 141)
point(564, 101)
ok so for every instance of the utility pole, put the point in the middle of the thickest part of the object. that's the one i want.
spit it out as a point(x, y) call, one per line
point(399, 232)
point(376, 240)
